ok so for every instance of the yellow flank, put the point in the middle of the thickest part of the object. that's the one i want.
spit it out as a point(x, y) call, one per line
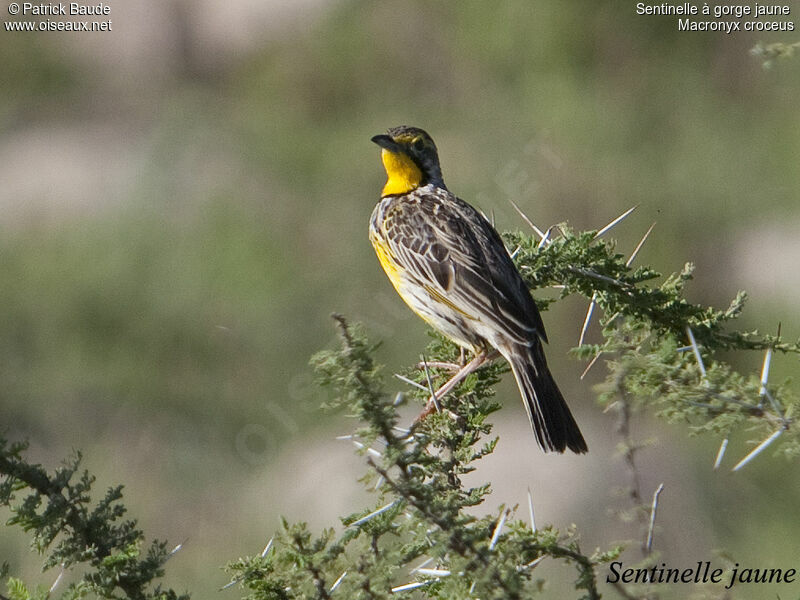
point(385, 258)
point(392, 270)
point(404, 174)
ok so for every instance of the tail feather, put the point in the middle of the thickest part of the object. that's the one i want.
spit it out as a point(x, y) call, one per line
point(552, 422)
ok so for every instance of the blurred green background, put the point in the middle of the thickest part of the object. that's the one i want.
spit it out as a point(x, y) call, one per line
point(184, 201)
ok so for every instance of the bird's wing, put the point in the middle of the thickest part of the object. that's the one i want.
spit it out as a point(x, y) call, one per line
point(446, 246)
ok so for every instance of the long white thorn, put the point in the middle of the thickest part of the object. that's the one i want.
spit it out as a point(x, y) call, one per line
point(720, 453)
point(696, 351)
point(639, 246)
point(765, 377)
point(58, 579)
point(410, 586)
point(545, 238)
point(411, 382)
point(615, 222)
point(526, 219)
point(765, 372)
point(373, 514)
point(774, 403)
point(588, 318)
point(370, 451)
point(498, 529)
point(264, 552)
point(176, 549)
point(422, 565)
point(531, 564)
point(337, 582)
point(434, 572)
point(758, 449)
point(530, 510)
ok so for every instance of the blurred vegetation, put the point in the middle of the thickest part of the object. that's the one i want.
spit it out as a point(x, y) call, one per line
point(420, 470)
point(71, 531)
point(164, 329)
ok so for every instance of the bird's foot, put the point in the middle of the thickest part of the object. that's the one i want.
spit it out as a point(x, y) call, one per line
point(435, 364)
point(433, 404)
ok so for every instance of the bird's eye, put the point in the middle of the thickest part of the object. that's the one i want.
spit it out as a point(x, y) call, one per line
point(418, 144)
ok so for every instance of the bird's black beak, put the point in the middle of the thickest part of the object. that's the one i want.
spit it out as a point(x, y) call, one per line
point(385, 141)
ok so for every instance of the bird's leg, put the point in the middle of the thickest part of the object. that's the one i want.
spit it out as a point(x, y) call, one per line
point(461, 356)
point(473, 365)
point(435, 364)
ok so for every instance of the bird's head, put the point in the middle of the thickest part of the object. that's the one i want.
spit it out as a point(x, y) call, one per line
point(410, 159)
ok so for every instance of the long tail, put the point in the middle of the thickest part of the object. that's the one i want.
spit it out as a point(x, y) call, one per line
point(552, 422)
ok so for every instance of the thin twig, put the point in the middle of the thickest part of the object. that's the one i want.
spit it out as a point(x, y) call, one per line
point(649, 544)
point(635, 490)
point(590, 365)
point(438, 364)
point(623, 428)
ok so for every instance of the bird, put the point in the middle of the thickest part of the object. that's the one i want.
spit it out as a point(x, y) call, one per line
point(449, 264)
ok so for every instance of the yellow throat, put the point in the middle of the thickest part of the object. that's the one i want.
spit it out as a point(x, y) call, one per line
point(404, 174)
